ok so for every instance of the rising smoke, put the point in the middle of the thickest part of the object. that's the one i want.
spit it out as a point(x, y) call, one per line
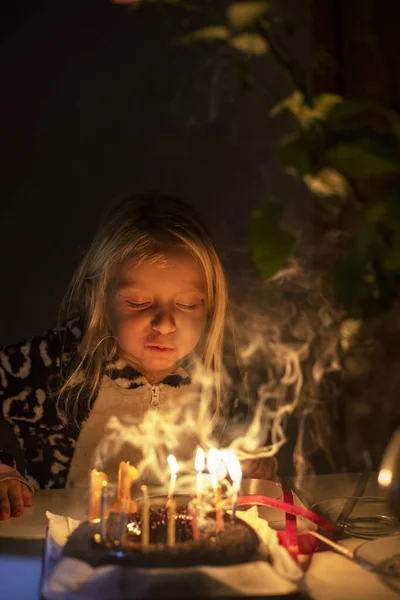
point(285, 341)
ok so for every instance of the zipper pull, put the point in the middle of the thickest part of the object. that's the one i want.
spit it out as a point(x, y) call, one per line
point(155, 396)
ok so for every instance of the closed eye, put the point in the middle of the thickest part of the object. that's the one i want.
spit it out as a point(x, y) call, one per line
point(188, 306)
point(139, 305)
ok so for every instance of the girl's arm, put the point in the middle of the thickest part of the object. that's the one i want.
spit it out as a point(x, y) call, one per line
point(15, 493)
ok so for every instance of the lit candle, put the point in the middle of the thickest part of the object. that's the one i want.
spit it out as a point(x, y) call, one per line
point(235, 472)
point(171, 523)
point(145, 538)
point(103, 509)
point(214, 468)
point(173, 465)
point(199, 463)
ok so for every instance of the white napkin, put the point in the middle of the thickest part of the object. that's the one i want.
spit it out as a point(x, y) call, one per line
point(60, 527)
point(281, 559)
point(67, 578)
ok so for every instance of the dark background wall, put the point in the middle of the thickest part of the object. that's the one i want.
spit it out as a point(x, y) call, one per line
point(96, 103)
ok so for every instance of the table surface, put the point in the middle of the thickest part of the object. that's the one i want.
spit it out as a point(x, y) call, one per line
point(330, 576)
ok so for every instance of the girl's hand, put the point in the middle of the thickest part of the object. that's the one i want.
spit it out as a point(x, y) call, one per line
point(260, 468)
point(14, 496)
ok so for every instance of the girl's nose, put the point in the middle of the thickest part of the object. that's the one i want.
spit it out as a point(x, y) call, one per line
point(164, 322)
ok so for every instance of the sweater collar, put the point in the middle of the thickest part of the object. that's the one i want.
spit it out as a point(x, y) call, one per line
point(127, 377)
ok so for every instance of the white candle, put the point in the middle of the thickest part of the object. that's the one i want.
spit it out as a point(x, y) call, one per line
point(235, 472)
point(103, 509)
point(214, 468)
point(199, 463)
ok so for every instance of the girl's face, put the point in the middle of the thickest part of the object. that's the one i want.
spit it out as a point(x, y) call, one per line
point(158, 312)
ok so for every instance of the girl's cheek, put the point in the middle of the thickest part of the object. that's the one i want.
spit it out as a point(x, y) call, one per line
point(132, 318)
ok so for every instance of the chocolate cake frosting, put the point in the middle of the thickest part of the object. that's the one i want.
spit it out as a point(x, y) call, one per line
point(236, 543)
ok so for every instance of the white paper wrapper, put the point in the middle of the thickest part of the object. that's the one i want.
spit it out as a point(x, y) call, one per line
point(281, 560)
point(71, 579)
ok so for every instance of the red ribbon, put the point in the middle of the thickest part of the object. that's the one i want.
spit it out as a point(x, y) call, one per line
point(305, 544)
point(292, 539)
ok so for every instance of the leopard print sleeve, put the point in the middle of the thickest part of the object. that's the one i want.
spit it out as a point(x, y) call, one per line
point(26, 368)
point(28, 371)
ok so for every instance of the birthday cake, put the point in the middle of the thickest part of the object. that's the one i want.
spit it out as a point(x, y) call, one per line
point(136, 544)
point(236, 543)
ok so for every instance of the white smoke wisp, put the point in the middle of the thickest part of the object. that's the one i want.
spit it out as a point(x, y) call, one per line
point(291, 340)
point(288, 331)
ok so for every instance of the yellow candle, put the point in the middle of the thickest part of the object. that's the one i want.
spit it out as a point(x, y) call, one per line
point(96, 479)
point(171, 526)
point(127, 474)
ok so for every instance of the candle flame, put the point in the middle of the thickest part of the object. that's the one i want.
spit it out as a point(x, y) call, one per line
point(173, 465)
point(233, 465)
point(199, 461)
point(212, 460)
point(221, 471)
point(385, 477)
point(215, 465)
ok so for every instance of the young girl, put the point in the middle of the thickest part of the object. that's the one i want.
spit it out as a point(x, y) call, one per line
point(148, 299)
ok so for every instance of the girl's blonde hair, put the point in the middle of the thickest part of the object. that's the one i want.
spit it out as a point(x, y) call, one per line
point(137, 229)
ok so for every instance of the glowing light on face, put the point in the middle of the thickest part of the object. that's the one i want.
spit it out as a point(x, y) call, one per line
point(158, 311)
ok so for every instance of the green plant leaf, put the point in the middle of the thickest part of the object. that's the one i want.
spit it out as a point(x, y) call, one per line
point(391, 258)
point(361, 111)
point(354, 161)
point(302, 112)
point(251, 43)
point(270, 247)
point(372, 139)
point(377, 212)
point(327, 182)
point(366, 279)
point(349, 109)
point(294, 155)
point(323, 105)
point(355, 288)
point(295, 104)
point(243, 14)
point(212, 32)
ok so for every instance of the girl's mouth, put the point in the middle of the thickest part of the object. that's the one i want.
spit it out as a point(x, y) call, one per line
point(160, 348)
